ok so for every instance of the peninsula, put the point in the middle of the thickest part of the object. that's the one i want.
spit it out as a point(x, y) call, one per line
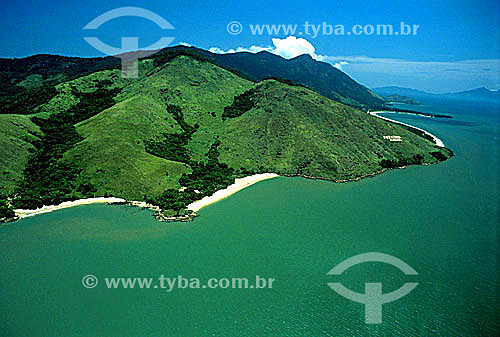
point(190, 130)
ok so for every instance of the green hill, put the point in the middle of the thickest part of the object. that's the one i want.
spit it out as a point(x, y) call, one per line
point(295, 131)
point(113, 155)
point(17, 133)
point(186, 122)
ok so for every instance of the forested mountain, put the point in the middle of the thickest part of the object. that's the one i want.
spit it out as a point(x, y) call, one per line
point(187, 122)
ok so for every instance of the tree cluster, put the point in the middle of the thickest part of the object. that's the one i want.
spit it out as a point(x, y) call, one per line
point(241, 104)
point(393, 163)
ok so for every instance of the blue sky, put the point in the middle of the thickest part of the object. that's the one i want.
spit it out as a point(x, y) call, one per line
point(457, 45)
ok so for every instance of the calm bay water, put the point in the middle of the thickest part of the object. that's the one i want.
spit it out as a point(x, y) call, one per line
point(442, 220)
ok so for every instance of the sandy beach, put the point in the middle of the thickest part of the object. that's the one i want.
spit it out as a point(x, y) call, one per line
point(437, 141)
point(238, 185)
point(23, 213)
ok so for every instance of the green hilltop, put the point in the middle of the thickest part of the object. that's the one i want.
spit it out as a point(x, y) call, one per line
point(186, 122)
point(292, 130)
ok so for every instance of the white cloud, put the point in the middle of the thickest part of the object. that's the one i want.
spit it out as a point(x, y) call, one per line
point(185, 44)
point(289, 47)
point(251, 49)
point(292, 47)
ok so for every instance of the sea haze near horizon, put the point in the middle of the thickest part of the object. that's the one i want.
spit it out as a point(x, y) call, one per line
point(442, 220)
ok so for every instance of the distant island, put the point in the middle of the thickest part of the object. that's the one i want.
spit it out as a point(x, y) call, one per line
point(402, 99)
point(191, 125)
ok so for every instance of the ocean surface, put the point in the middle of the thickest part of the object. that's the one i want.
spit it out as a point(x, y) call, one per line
point(442, 220)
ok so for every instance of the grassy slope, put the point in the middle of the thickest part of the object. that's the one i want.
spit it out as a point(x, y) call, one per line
point(113, 156)
point(16, 134)
point(201, 89)
point(294, 130)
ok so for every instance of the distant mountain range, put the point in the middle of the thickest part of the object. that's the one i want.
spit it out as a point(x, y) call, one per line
point(481, 94)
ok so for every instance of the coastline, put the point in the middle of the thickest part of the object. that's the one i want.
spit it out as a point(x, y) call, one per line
point(24, 213)
point(194, 207)
point(238, 185)
point(437, 141)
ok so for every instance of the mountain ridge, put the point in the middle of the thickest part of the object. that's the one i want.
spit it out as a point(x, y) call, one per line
point(27, 76)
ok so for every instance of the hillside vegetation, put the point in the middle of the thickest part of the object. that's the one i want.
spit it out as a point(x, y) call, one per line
point(186, 122)
point(17, 135)
point(295, 131)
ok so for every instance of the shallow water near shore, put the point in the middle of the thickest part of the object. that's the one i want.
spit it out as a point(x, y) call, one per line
point(440, 219)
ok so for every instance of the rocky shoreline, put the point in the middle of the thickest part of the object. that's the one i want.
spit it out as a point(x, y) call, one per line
point(158, 213)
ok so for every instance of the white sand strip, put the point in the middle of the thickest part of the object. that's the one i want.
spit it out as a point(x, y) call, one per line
point(438, 141)
point(238, 185)
point(23, 213)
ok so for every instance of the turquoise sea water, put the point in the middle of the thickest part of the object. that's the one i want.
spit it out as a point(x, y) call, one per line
point(442, 220)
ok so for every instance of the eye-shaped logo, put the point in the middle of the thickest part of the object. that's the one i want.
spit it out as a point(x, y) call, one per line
point(373, 298)
point(129, 60)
